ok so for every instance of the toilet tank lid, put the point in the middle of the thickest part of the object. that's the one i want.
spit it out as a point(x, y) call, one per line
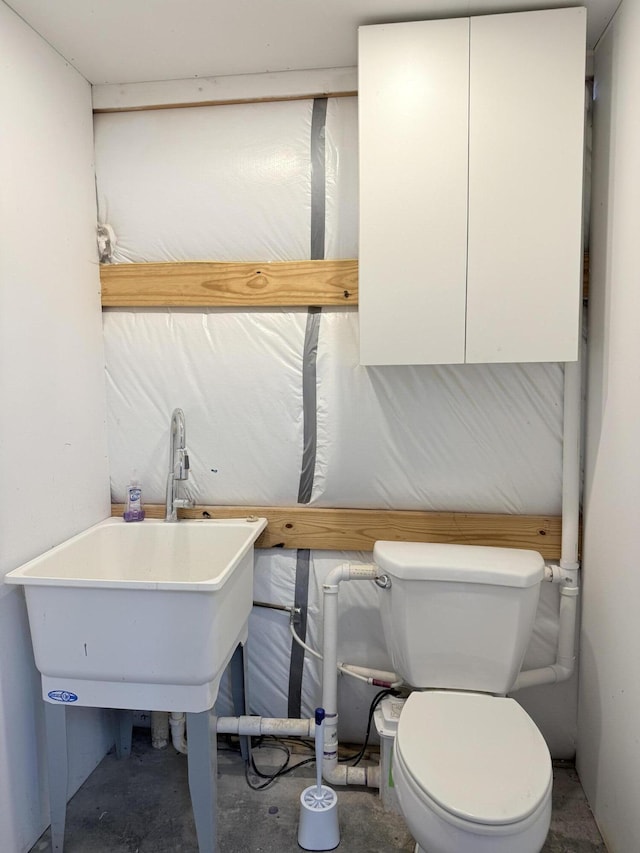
point(459, 563)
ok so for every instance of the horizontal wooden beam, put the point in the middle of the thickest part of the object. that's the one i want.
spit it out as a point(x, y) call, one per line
point(225, 102)
point(292, 283)
point(233, 88)
point(358, 529)
point(237, 285)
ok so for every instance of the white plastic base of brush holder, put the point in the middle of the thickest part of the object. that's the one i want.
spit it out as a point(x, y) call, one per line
point(318, 827)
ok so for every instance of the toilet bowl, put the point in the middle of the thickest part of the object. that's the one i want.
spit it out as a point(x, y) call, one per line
point(471, 770)
point(473, 774)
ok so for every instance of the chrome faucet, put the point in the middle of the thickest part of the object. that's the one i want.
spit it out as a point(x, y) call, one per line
point(178, 466)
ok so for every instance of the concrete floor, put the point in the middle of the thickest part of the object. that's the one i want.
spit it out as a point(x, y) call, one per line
point(142, 805)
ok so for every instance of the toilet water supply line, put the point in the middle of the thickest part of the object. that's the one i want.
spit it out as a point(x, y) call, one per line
point(375, 677)
point(567, 573)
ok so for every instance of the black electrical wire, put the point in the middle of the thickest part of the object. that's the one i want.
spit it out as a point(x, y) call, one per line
point(274, 745)
point(250, 766)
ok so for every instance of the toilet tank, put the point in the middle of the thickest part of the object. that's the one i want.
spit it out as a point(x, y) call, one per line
point(458, 616)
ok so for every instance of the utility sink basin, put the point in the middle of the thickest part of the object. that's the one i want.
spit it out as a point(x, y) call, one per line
point(141, 615)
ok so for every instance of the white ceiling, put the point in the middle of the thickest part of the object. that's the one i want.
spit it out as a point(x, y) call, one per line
point(129, 41)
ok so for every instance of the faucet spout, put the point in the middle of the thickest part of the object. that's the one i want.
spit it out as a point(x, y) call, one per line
point(178, 465)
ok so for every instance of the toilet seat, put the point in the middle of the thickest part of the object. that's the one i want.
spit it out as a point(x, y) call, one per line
point(474, 758)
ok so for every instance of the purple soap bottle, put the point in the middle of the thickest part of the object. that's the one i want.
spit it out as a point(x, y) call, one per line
point(134, 511)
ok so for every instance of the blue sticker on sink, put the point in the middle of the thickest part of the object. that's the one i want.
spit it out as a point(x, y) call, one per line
point(62, 696)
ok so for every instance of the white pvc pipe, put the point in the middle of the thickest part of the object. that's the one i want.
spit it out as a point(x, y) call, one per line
point(564, 665)
point(330, 649)
point(177, 722)
point(566, 639)
point(563, 668)
point(334, 773)
point(256, 726)
point(571, 464)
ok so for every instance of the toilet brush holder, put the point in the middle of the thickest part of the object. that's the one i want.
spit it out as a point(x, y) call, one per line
point(318, 826)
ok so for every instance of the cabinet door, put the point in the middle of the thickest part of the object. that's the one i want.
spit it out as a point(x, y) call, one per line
point(526, 124)
point(413, 117)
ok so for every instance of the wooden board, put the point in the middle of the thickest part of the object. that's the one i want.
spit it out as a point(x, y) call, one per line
point(225, 102)
point(359, 529)
point(304, 84)
point(244, 285)
point(293, 283)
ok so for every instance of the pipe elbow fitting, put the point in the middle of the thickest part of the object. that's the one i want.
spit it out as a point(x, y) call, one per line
point(349, 572)
point(177, 721)
point(563, 669)
point(566, 574)
point(340, 774)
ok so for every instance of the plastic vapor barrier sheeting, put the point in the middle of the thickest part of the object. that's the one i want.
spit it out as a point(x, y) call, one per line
point(466, 438)
point(236, 375)
point(341, 187)
point(248, 182)
point(214, 183)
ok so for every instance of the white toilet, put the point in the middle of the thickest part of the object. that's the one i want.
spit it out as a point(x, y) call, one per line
point(472, 771)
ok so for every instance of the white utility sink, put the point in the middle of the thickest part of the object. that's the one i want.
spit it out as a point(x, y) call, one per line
point(142, 614)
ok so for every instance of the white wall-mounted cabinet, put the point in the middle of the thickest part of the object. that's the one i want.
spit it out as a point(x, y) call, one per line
point(471, 150)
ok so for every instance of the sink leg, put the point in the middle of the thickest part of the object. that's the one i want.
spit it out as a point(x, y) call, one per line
point(58, 770)
point(203, 767)
point(239, 693)
point(124, 732)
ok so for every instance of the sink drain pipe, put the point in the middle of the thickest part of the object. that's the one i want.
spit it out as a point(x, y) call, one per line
point(256, 726)
point(178, 724)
